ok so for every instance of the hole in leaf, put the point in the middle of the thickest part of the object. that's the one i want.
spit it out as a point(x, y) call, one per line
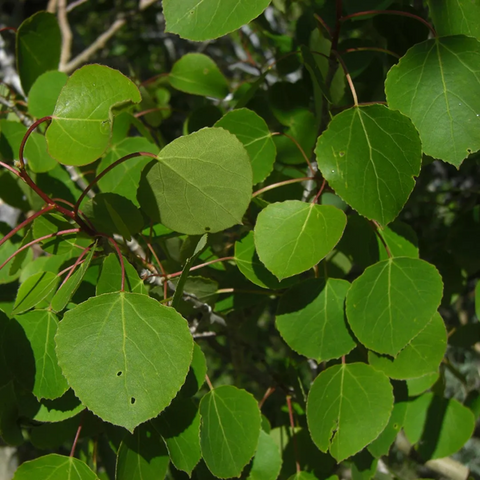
point(341, 154)
point(207, 229)
point(133, 400)
point(469, 151)
point(119, 374)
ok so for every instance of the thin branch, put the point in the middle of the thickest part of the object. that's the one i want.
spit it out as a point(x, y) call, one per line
point(102, 174)
point(281, 184)
point(322, 23)
point(120, 258)
point(320, 191)
point(294, 437)
point(78, 261)
point(269, 391)
point(377, 229)
point(349, 78)
point(31, 128)
point(75, 4)
point(390, 12)
point(23, 118)
point(52, 6)
point(66, 34)
point(11, 169)
point(370, 49)
point(38, 240)
point(209, 383)
point(102, 40)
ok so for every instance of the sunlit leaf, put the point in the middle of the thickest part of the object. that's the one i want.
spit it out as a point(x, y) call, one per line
point(348, 407)
point(436, 84)
point(293, 236)
point(45, 92)
point(34, 290)
point(101, 347)
point(392, 301)
point(267, 461)
point(81, 126)
point(201, 183)
point(369, 156)
point(455, 17)
point(110, 279)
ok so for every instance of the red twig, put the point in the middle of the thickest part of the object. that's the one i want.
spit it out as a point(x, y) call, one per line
point(77, 435)
point(32, 127)
point(322, 22)
point(377, 229)
point(294, 437)
point(320, 191)
point(390, 12)
point(78, 261)
point(370, 49)
point(30, 219)
point(11, 169)
point(151, 110)
point(38, 240)
point(12, 29)
point(155, 256)
point(269, 391)
point(349, 78)
point(102, 174)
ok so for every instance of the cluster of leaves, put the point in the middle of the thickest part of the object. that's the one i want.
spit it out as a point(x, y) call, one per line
point(101, 311)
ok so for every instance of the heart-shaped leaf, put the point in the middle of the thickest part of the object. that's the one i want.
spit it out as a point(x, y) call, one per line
point(201, 183)
point(102, 346)
point(443, 98)
point(392, 301)
point(229, 431)
point(81, 122)
point(198, 74)
point(294, 236)
point(348, 407)
point(369, 156)
point(311, 319)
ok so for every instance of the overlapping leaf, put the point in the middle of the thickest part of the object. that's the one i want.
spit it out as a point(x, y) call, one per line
point(253, 132)
point(437, 85)
point(81, 122)
point(102, 346)
point(201, 183)
point(392, 301)
point(207, 19)
point(311, 319)
point(455, 17)
point(45, 92)
point(38, 47)
point(293, 236)
point(421, 356)
point(369, 156)
point(348, 407)
point(267, 462)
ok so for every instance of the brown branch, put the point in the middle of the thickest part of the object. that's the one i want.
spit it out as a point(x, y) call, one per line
point(66, 33)
point(75, 5)
point(102, 40)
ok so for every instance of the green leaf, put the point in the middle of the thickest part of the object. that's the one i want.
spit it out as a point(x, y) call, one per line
point(125, 177)
point(292, 237)
point(38, 47)
point(381, 445)
point(443, 100)
point(68, 289)
point(209, 177)
point(250, 265)
point(111, 213)
point(208, 19)
point(267, 461)
point(54, 467)
point(311, 319)
point(314, 71)
point(439, 426)
point(421, 356)
point(32, 354)
point(45, 92)
point(253, 132)
point(81, 126)
point(364, 466)
point(17, 262)
point(111, 277)
point(369, 156)
point(142, 456)
point(35, 289)
point(393, 301)
point(198, 74)
point(401, 241)
point(179, 426)
point(10, 430)
point(101, 347)
point(348, 407)
point(9, 248)
point(229, 431)
point(455, 17)
point(303, 476)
